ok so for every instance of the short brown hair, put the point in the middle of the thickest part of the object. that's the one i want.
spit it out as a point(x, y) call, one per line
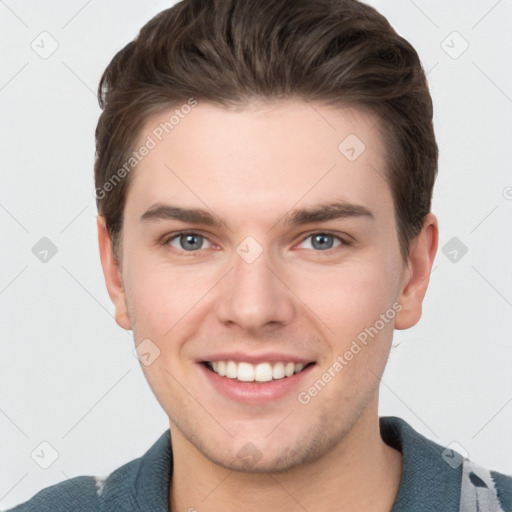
point(229, 52)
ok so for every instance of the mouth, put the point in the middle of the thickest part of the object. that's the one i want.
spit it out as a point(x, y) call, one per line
point(260, 379)
point(244, 371)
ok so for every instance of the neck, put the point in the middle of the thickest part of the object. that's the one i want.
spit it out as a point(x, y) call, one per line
point(360, 473)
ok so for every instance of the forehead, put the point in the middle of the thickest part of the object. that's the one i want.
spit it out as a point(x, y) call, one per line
point(262, 158)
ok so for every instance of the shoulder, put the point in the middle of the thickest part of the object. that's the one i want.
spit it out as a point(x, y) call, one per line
point(140, 484)
point(441, 476)
point(79, 493)
point(86, 493)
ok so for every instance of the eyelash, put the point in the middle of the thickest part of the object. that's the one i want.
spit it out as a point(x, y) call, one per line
point(166, 240)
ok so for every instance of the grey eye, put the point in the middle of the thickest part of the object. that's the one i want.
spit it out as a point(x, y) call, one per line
point(188, 242)
point(322, 241)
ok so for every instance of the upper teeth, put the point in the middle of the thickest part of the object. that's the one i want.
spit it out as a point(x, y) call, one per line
point(262, 372)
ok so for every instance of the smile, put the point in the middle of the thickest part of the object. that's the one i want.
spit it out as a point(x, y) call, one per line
point(262, 372)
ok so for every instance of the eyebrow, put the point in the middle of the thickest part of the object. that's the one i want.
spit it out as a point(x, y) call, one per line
point(325, 212)
point(297, 217)
point(161, 211)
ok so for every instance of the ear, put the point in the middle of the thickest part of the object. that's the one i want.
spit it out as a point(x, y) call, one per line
point(417, 273)
point(112, 273)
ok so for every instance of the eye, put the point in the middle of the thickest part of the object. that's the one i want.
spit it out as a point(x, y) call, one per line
point(189, 242)
point(323, 241)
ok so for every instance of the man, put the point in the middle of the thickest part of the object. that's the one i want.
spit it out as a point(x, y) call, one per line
point(264, 177)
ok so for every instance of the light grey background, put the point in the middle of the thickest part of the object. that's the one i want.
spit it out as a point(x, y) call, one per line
point(68, 374)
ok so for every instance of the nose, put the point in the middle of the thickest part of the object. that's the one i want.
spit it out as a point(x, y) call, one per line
point(254, 296)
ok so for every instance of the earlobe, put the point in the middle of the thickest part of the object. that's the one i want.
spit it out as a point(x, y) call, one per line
point(417, 274)
point(112, 274)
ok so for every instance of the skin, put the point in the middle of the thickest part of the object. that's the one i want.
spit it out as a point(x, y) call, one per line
point(251, 167)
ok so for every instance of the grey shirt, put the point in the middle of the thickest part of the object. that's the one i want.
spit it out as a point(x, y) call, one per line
point(434, 479)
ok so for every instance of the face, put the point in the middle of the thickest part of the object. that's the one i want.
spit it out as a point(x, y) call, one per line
point(261, 272)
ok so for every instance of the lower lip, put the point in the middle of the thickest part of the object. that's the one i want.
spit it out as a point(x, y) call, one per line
point(255, 392)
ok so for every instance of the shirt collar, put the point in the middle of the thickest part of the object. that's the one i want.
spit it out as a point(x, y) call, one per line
point(427, 483)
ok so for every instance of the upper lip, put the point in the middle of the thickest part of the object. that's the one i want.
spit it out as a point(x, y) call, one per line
point(269, 357)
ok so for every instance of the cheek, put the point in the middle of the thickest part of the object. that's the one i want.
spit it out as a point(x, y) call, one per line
point(355, 309)
point(159, 296)
point(347, 299)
